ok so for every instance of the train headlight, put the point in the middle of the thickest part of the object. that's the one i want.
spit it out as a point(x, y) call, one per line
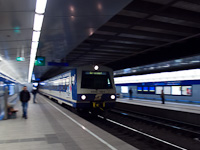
point(112, 96)
point(83, 97)
point(96, 67)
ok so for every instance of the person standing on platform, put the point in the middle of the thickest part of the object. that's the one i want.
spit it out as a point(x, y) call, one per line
point(130, 93)
point(24, 98)
point(162, 95)
point(34, 92)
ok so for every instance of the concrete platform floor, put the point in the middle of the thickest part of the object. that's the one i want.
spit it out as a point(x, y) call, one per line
point(52, 127)
point(182, 107)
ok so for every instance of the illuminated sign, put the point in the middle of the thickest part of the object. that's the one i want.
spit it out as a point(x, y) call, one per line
point(176, 90)
point(124, 89)
point(17, 29)
point(40, 61)
point(152, 89)
point(20, 59)
point(145, 89)
point(139, 89)
point(186, 90)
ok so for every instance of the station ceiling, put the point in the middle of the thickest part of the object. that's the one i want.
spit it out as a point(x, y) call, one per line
point(119, 34)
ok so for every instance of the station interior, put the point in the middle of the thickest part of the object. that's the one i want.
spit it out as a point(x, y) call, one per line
point(100, 74)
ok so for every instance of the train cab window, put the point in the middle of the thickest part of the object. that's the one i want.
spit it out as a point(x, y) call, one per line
point(96, 80)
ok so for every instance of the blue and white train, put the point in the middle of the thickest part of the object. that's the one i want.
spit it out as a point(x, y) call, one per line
point(83, 88)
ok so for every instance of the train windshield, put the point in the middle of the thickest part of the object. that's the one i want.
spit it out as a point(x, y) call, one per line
point(96, 80)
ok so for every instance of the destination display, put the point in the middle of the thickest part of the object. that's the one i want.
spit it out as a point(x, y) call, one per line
point(96, 73)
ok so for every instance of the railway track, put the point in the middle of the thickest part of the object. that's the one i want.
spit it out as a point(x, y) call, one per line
point(131, 135)
point(143, 133)
point(184, 128)
point(148, 135)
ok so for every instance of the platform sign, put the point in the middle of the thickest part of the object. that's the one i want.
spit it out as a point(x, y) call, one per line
point(20, 59)
point(186, 90)
point(159, 89)
point(152, 89)
point(40, 61)
point(124, 89)
point(176, 90)
point(139, 89)
point(58, 64)
point(145, 89)
point(167, 90)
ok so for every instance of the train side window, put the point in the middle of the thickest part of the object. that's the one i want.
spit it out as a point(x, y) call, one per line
point(67, 81)
point(64, 82)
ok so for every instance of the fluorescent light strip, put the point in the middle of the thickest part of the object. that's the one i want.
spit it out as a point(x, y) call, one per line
point(34, 45)
point(40, 6)
point(31, 65)
point(192, 74)
point(38, 20)
point(37, 26)
point(36, 36)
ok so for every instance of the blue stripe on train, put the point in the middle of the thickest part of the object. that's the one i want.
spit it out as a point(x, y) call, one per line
point(68, 101)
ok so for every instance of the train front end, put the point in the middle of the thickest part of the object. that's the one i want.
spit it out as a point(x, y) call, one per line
point(95, 88)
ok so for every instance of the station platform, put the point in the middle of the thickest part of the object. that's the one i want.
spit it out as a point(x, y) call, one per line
point(189, 113)
point(52, 127)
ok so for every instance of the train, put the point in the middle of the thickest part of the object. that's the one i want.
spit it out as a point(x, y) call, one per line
point(82, 88)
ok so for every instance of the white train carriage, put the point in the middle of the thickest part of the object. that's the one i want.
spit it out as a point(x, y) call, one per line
point(83, 87)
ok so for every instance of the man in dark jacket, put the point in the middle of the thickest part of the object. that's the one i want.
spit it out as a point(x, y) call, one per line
point(130, 93)
point(34, 92)
point(24, 98)
point(162, 95)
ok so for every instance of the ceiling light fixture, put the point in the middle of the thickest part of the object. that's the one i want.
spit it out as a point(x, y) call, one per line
point(40, 6)
point(34, 45)
point(37, 26)
point(36, 36)
point(38, 20)
point(96, 67)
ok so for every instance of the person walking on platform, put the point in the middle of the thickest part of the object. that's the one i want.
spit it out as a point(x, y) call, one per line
point(162, 95)
point(130, 93)
point(34, 92)
point(24, 98)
